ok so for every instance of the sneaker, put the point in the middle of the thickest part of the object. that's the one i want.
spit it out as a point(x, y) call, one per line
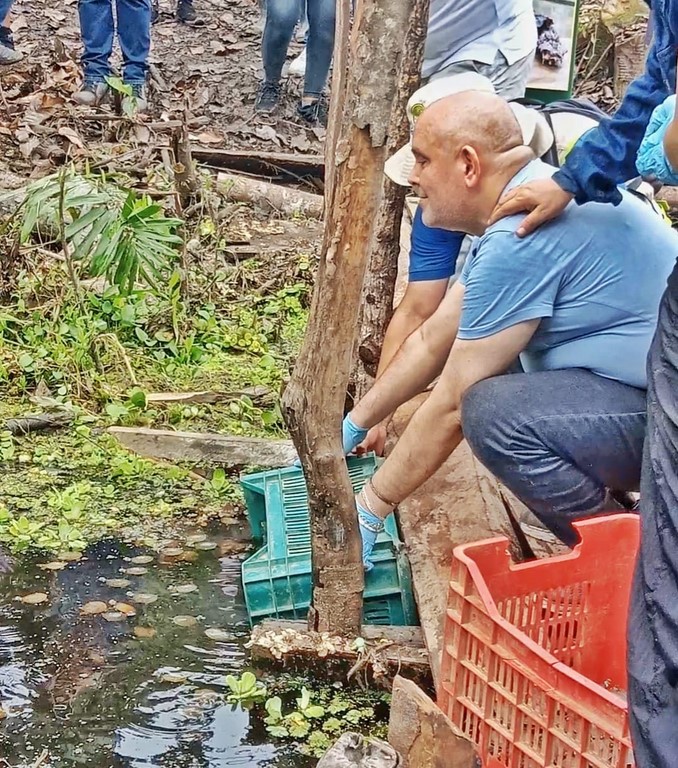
point(155, 11)
point(8, 55)
point(91, 94)
point(268, 97)
point(313, 113)
point(140, 104)
point(186, 13)
point(6, 37)
point(298, 65)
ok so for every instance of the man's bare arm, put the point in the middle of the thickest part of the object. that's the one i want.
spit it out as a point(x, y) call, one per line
point(420, 359)
point(435, 429)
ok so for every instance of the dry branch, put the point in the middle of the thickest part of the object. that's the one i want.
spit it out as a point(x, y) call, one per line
point(267, 164)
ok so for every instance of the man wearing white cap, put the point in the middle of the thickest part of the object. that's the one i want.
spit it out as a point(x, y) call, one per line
point(434, 252)
point(577, 301)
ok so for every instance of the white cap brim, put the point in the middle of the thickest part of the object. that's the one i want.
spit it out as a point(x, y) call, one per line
point(400, 165)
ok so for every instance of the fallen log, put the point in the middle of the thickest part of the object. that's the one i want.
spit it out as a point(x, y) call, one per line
point(201, 448)
point(270, 164)
point(422, 734)
point(386, 652)
point(291, 202)
point(37, 422)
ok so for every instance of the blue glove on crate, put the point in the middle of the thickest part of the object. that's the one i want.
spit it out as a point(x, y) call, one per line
point(351, 434)
point(370, 527)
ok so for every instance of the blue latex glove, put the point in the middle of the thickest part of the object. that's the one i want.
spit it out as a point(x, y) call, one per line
point(651, 160)
point(351, 435)
point(370, 527)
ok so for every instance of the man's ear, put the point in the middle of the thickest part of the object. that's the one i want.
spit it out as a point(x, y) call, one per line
point(470, 164)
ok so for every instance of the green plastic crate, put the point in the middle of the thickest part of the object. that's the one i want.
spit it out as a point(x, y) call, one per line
point(280, 494)
point(277, 579)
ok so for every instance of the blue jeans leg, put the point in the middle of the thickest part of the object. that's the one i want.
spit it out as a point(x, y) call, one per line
point(96, 29)
point(558, 440)
point(653, 618)
point(281, 19)
point(320, 44)
point(134, 34)
point(5, 6)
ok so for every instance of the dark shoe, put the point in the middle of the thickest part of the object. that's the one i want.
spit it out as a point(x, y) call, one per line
point(267, 98)
point(155, 11)
point(313, 113)
point(6, 38)
point(91, 94)
point(186, 13)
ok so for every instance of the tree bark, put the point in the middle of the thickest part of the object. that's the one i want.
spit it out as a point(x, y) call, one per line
point(382, 270)
point(362, 99)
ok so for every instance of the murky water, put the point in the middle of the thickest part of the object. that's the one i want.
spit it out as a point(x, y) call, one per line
point(88, 692)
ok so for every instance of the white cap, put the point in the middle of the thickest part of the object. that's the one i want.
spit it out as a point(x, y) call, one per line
point(536, 132)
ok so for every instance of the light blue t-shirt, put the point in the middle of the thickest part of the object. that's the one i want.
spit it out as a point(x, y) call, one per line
point(595, 276)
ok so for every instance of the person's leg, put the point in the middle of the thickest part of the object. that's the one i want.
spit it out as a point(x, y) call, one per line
point(134, 34)
point(96, 30)
point(653, 618)
point(8, 54)
point(558, 440)
point(281, 18)
point(320, 47)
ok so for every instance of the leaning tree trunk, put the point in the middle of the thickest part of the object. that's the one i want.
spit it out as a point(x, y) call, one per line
point(362, 99)
point(376, 308)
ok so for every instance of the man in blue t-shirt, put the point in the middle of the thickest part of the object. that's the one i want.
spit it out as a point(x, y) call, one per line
point(578, 301)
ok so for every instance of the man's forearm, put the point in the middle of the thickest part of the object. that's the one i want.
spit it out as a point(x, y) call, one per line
point(606, 155)
point(420, 359)
point(432, 434)
point(403, 324)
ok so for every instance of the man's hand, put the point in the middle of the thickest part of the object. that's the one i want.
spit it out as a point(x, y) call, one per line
point(351, 434)
point(375, 441)
point(543, 198)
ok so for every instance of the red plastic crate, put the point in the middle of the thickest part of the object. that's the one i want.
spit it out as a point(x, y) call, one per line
point(534, 655)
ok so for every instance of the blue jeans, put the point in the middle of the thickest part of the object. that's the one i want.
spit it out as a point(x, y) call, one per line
point(134, 34)
point(5, 6)
point(653, 618)
point(558, 440)
point(281, 19)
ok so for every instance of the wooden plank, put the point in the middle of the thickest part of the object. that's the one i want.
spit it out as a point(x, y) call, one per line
point(422, 734)
point(269, 164)
point(388, 649)
point(203, 448)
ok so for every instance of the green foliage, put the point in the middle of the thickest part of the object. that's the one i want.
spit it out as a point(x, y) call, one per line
point(7, 447)
point(111, 232)
point(320, 717)
point(245, 690)
point(116, 489)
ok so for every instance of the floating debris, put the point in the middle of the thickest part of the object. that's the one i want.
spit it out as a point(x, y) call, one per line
point(55, 565)
point(70, 557)
point(221, 635)
point(206, 545)
point(34, 598)
point(195, 538)
point(144, 633)
point(145, 598)
point(185, 621)
point(142, 559)
point(184, 589)
point(189, 557)
point(172, 552)
point(117, 583)
point(125, 609)
point(173, 677)
point(93, 608)
point(136, 571)
point(3, 713)
point(113, 615)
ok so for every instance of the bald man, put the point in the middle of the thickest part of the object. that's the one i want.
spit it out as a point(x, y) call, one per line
point(577, 301)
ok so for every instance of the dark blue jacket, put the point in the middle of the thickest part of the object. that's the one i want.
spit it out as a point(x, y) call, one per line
point(606, 156)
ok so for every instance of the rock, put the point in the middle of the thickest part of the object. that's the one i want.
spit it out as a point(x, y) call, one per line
point(6, 562)
point(355, 751)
